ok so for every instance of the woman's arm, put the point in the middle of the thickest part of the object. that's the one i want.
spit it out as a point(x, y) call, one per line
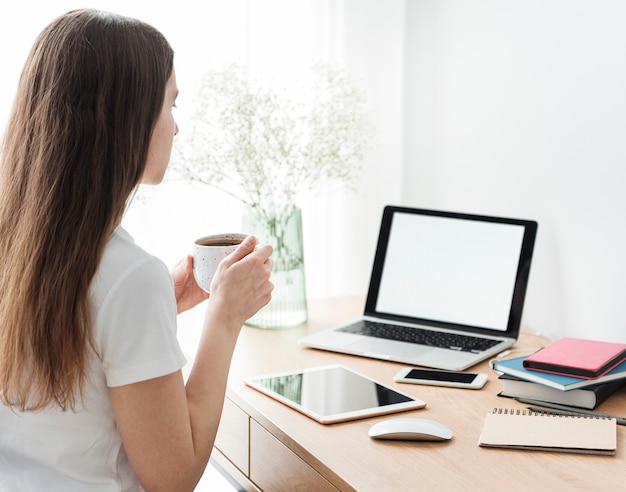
point(168, 428)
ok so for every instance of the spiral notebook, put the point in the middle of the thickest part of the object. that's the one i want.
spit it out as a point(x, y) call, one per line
point(521, 429)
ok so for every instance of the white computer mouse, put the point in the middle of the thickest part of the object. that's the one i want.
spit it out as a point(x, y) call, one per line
point(410, 429)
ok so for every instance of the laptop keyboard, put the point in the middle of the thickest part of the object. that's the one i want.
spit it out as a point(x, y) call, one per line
point(453, 341)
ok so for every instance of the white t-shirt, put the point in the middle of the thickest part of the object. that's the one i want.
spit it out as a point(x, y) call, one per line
point(134, 323)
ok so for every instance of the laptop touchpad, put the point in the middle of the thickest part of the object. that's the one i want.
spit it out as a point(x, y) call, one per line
point(389, 348)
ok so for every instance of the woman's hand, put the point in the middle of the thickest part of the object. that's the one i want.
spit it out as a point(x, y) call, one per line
point(188, 293)
point(241, 285)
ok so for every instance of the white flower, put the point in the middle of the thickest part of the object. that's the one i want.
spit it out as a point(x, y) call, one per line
point(270, 148)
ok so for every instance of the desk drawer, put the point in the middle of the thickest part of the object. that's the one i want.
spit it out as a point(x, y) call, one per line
point(273, 467)
point(233, 436)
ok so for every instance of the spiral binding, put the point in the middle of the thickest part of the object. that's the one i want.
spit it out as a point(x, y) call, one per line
point(546, 412)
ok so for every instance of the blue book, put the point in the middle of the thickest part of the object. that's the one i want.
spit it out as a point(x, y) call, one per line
point(513, 367)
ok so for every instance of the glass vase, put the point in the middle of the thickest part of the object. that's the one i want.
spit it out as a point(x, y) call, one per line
point(284, 232)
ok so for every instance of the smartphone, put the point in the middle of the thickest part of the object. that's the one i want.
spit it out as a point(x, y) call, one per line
point(437, 377)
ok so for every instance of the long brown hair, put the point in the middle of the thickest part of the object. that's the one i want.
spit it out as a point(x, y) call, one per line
point(74, 150)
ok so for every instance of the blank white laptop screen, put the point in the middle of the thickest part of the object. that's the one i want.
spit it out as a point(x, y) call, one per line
point(447, 290)
point(460, 271)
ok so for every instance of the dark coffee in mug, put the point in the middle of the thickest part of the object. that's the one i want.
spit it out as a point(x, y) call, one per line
point(218, 242)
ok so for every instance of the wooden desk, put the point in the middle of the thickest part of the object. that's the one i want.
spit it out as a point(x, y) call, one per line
point(272, 447)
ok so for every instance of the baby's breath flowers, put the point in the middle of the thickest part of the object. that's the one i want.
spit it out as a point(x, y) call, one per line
point(270, 147)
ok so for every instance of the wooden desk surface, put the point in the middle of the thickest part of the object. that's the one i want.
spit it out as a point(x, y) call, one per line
point(346, 456)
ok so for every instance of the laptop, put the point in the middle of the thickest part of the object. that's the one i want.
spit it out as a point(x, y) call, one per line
point(446, 291)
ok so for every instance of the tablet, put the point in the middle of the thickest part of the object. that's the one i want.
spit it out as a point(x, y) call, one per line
point(333, 393)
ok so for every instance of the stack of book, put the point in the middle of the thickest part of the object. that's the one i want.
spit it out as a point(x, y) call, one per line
point(571, 371)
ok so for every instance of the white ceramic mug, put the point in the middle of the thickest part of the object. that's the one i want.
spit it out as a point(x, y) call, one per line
point(209, 251)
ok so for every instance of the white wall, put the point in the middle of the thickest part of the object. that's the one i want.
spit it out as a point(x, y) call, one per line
point(518, 108)
point(368, 39)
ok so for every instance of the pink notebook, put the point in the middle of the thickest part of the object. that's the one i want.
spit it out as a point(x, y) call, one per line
point(577, 357)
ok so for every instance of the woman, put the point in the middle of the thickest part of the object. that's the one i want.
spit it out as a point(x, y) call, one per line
point(91, 390)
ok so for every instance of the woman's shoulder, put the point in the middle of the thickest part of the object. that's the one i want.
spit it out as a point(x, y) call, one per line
point(125, 261)
point(121, 247)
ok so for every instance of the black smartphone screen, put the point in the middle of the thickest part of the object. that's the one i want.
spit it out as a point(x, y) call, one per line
point(447, 376)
